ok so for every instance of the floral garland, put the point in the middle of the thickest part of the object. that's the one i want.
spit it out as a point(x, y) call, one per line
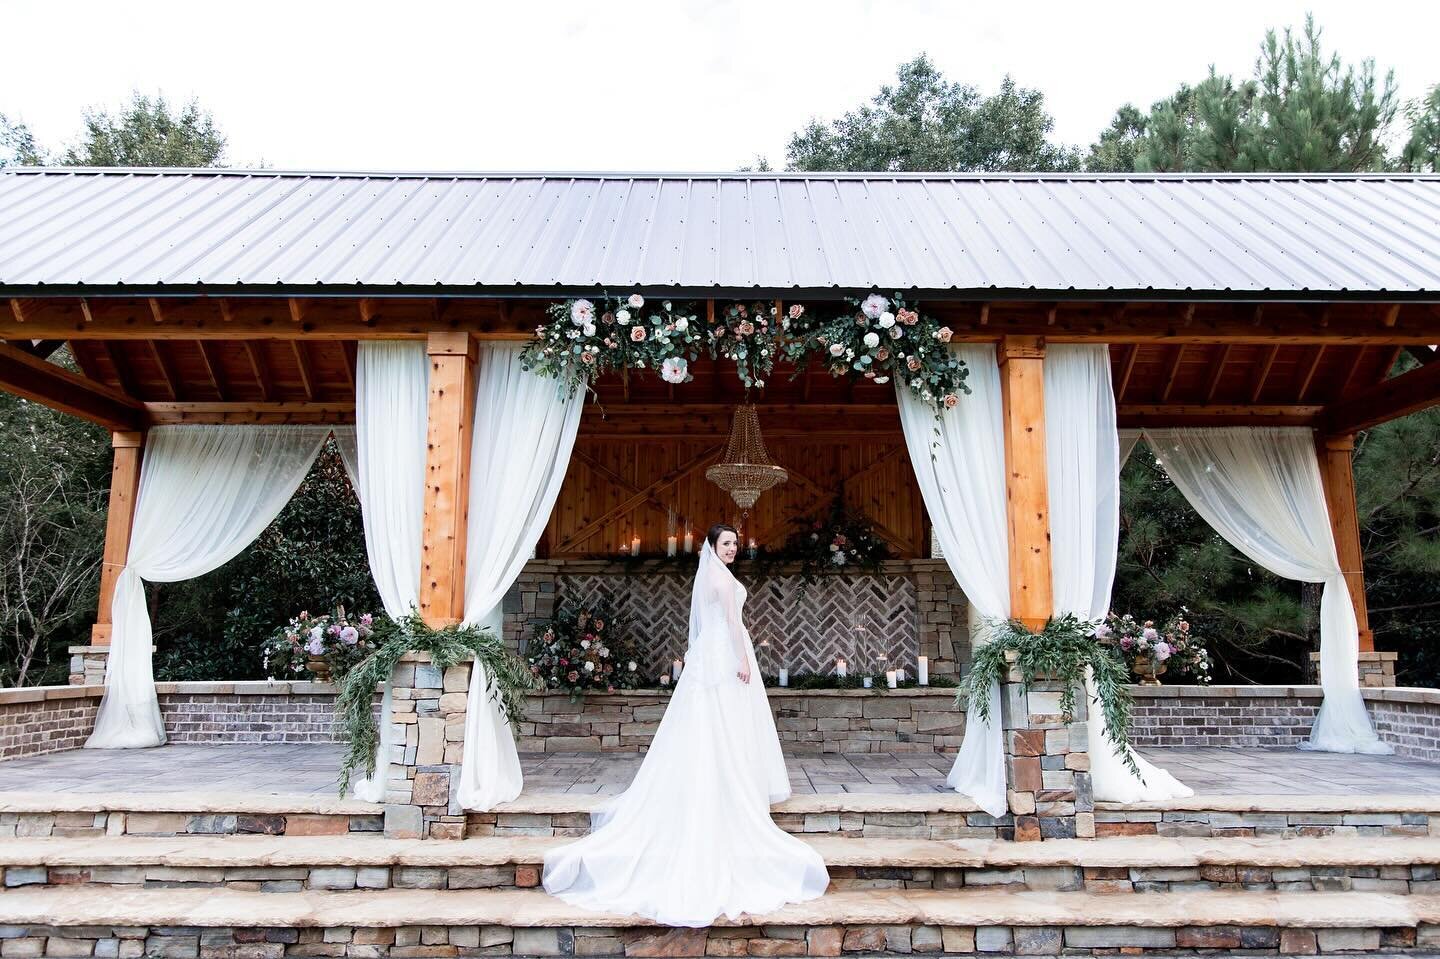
point(879, 339)
point(584, 650)
point(842, 540)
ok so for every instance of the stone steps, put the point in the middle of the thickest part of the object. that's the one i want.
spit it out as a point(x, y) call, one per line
point(277, 864)
point(403, 922)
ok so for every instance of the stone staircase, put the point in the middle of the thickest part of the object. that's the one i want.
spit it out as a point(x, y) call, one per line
point(187, 875)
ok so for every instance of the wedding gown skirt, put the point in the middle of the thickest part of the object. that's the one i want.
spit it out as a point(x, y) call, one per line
point(692, 838)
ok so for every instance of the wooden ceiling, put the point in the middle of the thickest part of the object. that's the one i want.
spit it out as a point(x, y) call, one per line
point(194, 359)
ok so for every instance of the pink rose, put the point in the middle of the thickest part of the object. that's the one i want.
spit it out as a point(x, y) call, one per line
point(943, 334)
point(637, 334)
point(883, 353)
point(908, 317)
point(913, 363)
point(587, 358)
point(796, 311)
point(746, 328)
point(951, 400)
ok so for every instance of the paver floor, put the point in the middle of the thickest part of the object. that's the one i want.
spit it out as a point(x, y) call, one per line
point(311, 769)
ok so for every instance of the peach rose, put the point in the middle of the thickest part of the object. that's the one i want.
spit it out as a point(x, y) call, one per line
point(637, 334)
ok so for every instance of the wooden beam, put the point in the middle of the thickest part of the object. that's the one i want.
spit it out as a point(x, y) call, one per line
point(167, 374)
point(447, 478)
point(1398, 396)
point(615, 479)
point(257, 366)
point(17, 311)
point(1224, 414)
point(674, 476)
point(156, 310)
point(1127, 369)
point(1317, 353)
point(307, 372)
point(1022, 389)
point(297, 311)
point(348, 360)
point(119, 523)
point(84, 361)
point(1265, 366)
point(165, 414)
point(58, 388)
point(1338, 477)
point(1172, 372)
point(1392, 314)
point(1356, 361)
point(212, 369)
point(1218, 373)
point(122, 372)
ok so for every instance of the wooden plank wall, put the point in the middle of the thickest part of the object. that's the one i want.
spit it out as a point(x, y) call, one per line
point(620, 487)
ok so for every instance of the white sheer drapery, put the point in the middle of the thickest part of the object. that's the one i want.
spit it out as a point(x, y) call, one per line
point(523, 434)
point(1082, 467)
point(205, 493)
point(963, 487)
point(1260, 489)
point(385, 456)
point(1129, 439)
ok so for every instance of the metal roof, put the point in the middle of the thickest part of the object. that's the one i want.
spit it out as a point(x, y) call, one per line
point(1267, 235)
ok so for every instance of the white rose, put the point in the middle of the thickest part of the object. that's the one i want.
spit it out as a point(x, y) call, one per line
point(589, 329)
point(887, 320)
point(622, 317)
point(674, 370)
point(872, 339)
point(837, 349)
point(582, 311)
point(874, 305)
point(630, 666)
point(882, 379)
point(584, 644)
point(589, 667)
point(681, 324)
point(636, 301)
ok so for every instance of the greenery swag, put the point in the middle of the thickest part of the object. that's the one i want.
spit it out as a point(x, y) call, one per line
point(876, 338)
point(448, 646)
point(840, 540)
point(1062, 651)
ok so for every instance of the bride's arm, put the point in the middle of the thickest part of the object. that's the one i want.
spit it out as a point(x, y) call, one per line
point(733, 627)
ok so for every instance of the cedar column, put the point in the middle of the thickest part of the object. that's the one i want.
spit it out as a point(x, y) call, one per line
point(447, 478)
point(119, 520)
point(1337, 475)
point(1022, 390)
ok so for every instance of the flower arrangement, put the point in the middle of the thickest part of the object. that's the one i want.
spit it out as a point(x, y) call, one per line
point(883, 338)
point(841, 540)
point(583, 340)
point(751, 335)
point(584, 649)
point(320, 647)
point(1150, 651)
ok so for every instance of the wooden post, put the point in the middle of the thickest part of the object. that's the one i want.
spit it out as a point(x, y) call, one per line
point(1022, 390)
point(119, 520)
point(447, 478)
point(1337, 475)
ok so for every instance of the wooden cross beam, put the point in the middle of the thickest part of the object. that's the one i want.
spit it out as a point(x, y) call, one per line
point(696, 462)
point(1398, 396)
point(58, 388)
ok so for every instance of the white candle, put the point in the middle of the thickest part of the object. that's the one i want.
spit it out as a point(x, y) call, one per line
point(635, 546)
point(689, 541)
point(865, 681)
point(675, 669)
point(900, 674)
point(670, 545)
point(840, 668)
point(890, 678)
point(923, 671)
point(784, 676)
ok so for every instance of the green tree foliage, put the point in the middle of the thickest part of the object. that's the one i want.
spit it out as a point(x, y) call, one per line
point(17, 144)
point(925, 122)
point(149, 132)
point(1421, 153)
point(1303, 110)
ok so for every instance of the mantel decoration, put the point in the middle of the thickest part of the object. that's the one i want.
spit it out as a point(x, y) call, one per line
point(842, 540)
point(746, 470)
point(1062, 651)
point(1150, 651)
point(450, 646)
point(324, 647)
point(878, 338)
point(584, 650)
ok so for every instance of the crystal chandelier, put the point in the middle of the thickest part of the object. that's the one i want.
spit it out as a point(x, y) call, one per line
point(746, 470)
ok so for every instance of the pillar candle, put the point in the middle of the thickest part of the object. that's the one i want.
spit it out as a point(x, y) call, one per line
point(689, 541)
point(784, 676)
point(900, 674)
point(635, 546)
point(922, 675)
point(670, 545)
point(865, 681)
point(675, 669)
point(890, 678)
point(840, 668)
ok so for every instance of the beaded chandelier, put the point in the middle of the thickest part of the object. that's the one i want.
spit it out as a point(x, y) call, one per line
point(746, 470)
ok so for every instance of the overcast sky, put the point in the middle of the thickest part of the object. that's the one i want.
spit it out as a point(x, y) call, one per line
point(646, 85)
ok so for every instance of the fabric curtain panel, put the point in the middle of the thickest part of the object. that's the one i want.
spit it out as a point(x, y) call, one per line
point(524, 432)
point(385, 456)
point(1129, 439)
point(961, 474)
point(1260, 488)
point(206, 492)
point(1082, 467)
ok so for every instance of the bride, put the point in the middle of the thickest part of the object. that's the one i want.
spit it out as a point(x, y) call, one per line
point(692, 836)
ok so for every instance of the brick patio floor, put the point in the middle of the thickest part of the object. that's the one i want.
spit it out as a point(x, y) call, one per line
point(310, 769)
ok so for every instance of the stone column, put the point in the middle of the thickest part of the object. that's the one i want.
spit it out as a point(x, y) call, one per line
point(1047, 762)
point(428, 712)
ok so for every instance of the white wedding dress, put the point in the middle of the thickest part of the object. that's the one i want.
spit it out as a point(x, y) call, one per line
point(692, 838)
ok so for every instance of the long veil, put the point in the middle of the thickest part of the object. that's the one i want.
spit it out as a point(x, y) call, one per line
point(714, 620)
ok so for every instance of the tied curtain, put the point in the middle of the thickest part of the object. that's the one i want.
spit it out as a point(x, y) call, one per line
point(1082, 468)
point(206, 492)
point(522, 436)
point(961, 474)
point(385, 457)
point(1260, 489)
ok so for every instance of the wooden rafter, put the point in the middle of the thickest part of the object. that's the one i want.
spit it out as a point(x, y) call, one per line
point(1127, 369)
point(1265, 366)
point(158, 414)
point(603, 471)
point(297, 311)
point(1317, 353)
point(1397, 396)
point(1172, 373)
point(664, 482)
point(307, 372)
point(156, 310)
point(84, 361)
point(1217, 373)
point(1356, 361)
point(167, 373)
point(227, 312)
point(212, 369)
point(122, 372)
point(54, 386)
point(257, 366)
point(17, 311)
point(348, 361)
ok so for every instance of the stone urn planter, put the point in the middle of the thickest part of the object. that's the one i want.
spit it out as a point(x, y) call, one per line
point(319, 667)
point(1148, 670)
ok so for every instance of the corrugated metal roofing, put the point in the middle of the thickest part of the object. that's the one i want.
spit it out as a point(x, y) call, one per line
point(1081, 234)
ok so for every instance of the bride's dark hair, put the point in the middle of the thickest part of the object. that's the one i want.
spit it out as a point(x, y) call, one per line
point(713, 537)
